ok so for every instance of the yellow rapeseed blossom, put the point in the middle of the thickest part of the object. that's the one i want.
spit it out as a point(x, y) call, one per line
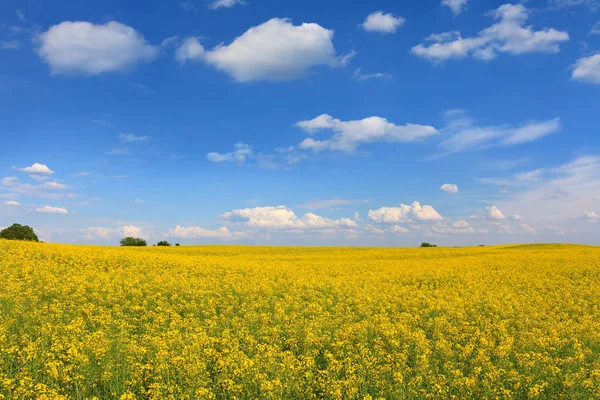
point(233, 322)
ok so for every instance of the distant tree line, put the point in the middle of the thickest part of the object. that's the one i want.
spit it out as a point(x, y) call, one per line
point(139, 242)
point(425, 244)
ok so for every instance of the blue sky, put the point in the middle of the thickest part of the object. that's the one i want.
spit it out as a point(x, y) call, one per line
point(266, 122)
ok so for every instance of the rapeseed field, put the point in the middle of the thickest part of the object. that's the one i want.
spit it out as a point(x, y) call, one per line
point(233, 322)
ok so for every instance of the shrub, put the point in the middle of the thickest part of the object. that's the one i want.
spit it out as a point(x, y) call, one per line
point(19, 232)
point(131, 241)
point(163, 243)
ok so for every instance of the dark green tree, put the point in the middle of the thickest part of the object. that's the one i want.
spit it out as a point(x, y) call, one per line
point(177, 245)
point(163, 243)
point(19, 232)
point(425, 244)
point(131, 241)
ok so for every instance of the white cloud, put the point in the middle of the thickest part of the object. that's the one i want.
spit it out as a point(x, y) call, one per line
point(93, 49)
point(194, 232)
point(331, 203)
point(240, 154)
point(457, 6)
point(399, 230)
point(275, 50)
point(360, 76)
point(11, 203)
point(190, 49)
point(595, 29)
point(592, 4)
point(37, 169)
point(528, 229)
point(131, 231)
point(449, 188)
point(508, 35)
point(494, 213)
point(515, 217)
point(51, 210)
point(98, 232)
point(465, 135)
point(531, 132)
point(382, 23)
point(224, 3)
point(348, 135)
point(587, 69)
point(9, 181)
point(44, 190)
point(53, 185)
point(282, 218)
point(373, 230)
point(529, 175)
point(460, 227)
point(405, 213)
point(129, 138)
point(139, 201)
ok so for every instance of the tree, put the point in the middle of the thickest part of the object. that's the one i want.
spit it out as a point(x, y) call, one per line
point(425, 244)
point(177, 245)
point(19, 232)
point(131, 241)
point(163, 243)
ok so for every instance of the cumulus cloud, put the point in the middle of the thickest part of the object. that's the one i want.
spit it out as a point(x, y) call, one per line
point(131, 231)
point(11, 203)
point(51, 210)
point(587, 69)
point(92, 49)
point(399, 230)
point(449, 188)
point(36, 169)
point(282, 218)
point(275, 50)
point(508, 35)
point(348, 135)
point(190, 49)
point(457, 6)
point(45, 190)
point(129, 138)
point(464, 134)
point(195, 232)
point(405, 213)
point(382, 23)
point(98, 233)
point(460, 227)
point(241, 153)
point(494, 213)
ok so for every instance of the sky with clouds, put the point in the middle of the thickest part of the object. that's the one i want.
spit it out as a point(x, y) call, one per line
point(384, 123)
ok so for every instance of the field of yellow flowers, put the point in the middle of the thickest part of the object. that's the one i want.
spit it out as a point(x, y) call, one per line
point(233, 322)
